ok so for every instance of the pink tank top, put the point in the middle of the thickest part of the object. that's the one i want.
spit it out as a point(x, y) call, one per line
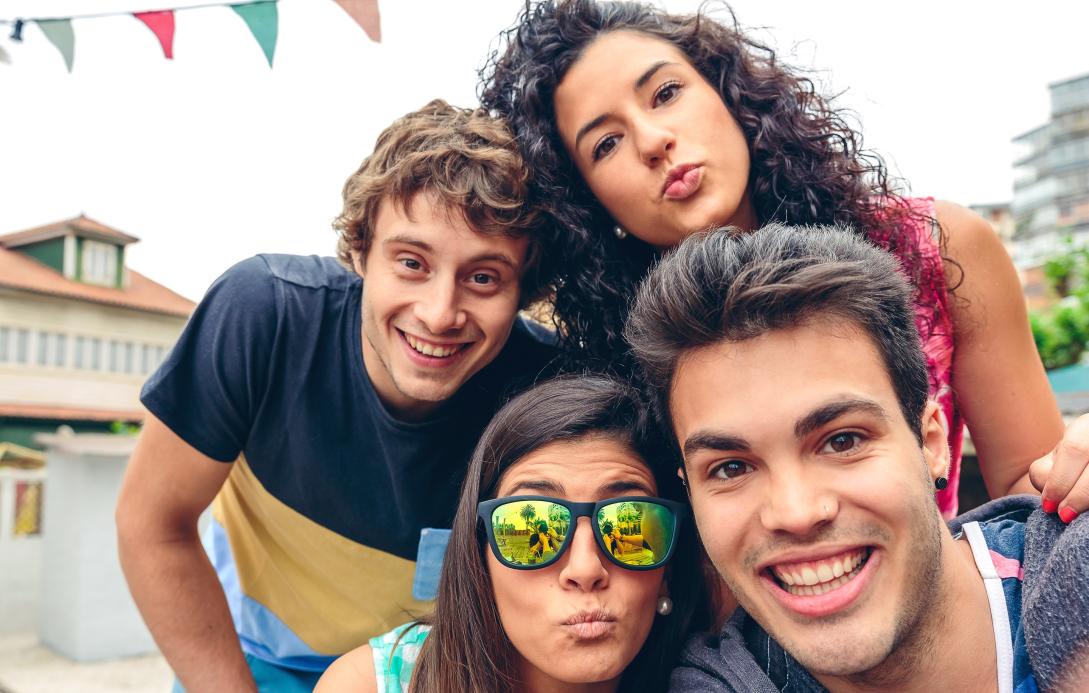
point(935, 325)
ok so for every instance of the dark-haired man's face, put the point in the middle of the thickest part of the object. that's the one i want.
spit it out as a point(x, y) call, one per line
point(811, 492)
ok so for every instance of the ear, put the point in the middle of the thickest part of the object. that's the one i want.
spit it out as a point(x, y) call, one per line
point(935, 440)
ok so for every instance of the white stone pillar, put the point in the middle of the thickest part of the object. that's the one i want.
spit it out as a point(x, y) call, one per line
point(86, 610)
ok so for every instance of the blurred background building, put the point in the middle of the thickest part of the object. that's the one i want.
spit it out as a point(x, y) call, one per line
point(1051, 178)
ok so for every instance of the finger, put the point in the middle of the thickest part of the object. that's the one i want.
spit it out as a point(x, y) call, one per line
point(1071, 457)
point(1076, 501)
point(1040, 470)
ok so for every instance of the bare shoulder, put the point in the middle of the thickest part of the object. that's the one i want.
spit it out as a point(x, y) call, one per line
point(981, 273)
point(353, 671)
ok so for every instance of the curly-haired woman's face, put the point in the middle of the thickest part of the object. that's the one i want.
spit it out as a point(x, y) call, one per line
point(653, 140)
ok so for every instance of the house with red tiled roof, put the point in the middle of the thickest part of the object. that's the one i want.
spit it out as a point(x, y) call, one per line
point(79, 330)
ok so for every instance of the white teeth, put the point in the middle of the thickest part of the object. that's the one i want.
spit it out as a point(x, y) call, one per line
point(837, 568)
point(809, 581)
point(430, 349)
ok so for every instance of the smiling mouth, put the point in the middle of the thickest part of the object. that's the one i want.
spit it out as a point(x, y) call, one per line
point(812, 578)
point(432, 349)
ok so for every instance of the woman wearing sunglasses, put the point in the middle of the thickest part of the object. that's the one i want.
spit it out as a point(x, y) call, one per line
point(555, 576)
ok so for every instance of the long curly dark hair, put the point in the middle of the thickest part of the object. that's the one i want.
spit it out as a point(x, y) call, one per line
point(808, 165)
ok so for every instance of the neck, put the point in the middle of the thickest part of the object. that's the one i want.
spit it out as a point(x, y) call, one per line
point(931, 656)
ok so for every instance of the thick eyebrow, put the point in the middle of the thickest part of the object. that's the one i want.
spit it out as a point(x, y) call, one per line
point(621, 488)
point(714, 441)
point(428, 248)
point(540, 486)
point(833, 410)
point(643, 79)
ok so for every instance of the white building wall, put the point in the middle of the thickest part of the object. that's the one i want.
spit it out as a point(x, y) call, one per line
point(40, 374)
point(20, 560)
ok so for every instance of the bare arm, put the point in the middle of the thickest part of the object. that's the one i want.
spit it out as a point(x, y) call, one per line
point(351, 672)
point(999, 380)
point(167, 486)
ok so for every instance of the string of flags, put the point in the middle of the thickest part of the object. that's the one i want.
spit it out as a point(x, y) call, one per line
point(260, 16)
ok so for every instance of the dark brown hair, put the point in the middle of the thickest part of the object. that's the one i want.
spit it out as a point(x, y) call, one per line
point(469, 161)
point(808, 165)
point(729, 287)
point(467, 649)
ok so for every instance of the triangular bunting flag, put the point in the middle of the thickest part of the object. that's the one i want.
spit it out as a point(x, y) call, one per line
point(261, 18)
point(162, 25)
point(60, 34)
point(365, 14)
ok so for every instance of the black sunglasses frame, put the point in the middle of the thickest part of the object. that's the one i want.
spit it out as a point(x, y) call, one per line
point(485, 509)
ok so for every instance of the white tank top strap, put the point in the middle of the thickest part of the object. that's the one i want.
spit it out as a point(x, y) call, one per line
point(996, 599)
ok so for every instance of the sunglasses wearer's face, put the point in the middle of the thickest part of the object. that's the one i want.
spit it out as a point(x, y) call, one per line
point(529, 532)
point(574, 611)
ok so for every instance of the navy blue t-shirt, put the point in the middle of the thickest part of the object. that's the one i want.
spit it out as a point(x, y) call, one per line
point(269, 374)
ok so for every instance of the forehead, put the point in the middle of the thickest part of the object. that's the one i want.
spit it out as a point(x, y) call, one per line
point(426, 219)
point(767, 383)
point(630, 51)
point(581, 467)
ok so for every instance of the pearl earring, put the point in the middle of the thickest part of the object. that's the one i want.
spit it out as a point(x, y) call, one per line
point(665, 606)
point(620, 232)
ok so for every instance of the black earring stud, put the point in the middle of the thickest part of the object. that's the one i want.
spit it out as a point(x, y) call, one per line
point(940, 483)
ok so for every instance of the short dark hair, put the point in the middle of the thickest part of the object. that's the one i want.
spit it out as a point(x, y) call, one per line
point(467, 649)
point(728, 286)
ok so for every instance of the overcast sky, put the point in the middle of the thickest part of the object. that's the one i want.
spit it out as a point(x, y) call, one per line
point(213, 157)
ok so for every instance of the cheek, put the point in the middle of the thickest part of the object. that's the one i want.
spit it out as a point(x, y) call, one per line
point(517, 598)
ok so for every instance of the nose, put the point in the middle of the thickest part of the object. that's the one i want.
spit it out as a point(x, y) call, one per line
point(584, 567)
point(438, 308)
point(797, 503)
point(653, 140)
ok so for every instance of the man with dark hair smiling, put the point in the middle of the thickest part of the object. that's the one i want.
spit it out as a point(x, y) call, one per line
point(789, 367)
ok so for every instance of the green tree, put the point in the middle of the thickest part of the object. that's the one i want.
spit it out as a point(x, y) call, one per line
point(1062, 332)
point(528, 512)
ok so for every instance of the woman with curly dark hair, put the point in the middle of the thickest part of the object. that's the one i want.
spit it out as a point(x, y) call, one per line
point(641, 127)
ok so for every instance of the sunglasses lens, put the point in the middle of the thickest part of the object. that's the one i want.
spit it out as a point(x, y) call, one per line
point(637, 532)
point(530, 532)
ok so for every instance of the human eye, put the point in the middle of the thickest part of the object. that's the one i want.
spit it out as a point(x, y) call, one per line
point(666, 93)
point(842, 443)
point(410, 265)
point(604, 147)
point(732, 469)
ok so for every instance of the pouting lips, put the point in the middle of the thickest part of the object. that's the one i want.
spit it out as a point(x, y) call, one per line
point(817, 577)
point(434, 350)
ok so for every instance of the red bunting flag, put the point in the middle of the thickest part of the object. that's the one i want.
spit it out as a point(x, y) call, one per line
point(162, 25)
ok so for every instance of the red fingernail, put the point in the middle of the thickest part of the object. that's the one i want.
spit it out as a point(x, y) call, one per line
point(1067, 515)
point(1049, 505)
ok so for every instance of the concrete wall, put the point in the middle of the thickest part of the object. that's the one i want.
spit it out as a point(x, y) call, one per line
point(86, 612)
point(20, 559)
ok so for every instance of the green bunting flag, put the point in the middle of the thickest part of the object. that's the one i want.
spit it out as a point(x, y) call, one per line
point(60, 34)
point(261, 18)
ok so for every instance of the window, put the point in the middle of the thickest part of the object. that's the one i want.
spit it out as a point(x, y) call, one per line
point(44, 338)
point(145, 359)
point(99, 263)
point(22, 346)
point(60, 351)
point(81, 352)
point(115, 356)
point(96, 349)
point(5, 337)
point(128, 357)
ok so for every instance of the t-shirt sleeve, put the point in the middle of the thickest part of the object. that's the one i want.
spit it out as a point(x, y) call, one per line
point(214, 379)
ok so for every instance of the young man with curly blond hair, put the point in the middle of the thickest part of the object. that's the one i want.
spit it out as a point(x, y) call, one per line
point(327, 414)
